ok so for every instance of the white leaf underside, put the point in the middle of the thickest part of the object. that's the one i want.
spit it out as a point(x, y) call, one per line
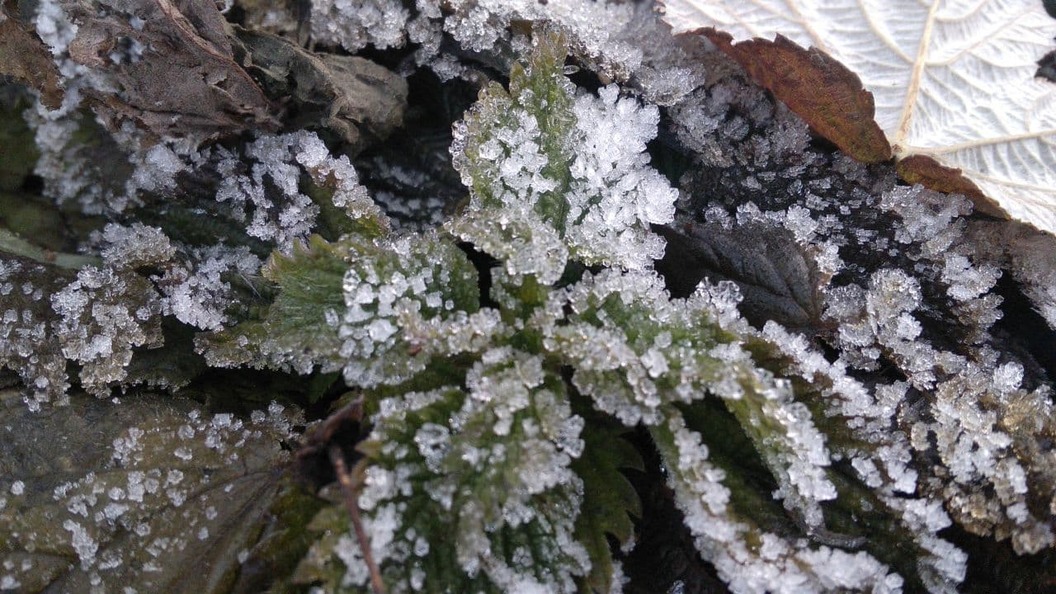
point(952, 79)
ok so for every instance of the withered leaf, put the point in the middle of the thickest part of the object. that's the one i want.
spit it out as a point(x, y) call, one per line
point(173, 65)
point(24, 57)
point(100, 496)
point(822, 91)
point(921, 169)
point(355, 98)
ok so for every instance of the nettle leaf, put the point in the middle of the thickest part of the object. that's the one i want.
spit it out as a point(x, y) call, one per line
point(953, 82)
point(98, 495)
point(564, 175)
point(293, 333)
point(609, 499)
point(469, 489)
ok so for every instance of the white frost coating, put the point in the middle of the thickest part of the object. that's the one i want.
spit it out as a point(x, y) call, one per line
point(82, 542)
point(952, 80)
point(777, 566)
point(136, 245)
point(196, 294)
point(616, 195)
point(268, 196)
point(494, 488)
point(397, 303)
point(594, 201)
point(355, 24)
point(103, 315)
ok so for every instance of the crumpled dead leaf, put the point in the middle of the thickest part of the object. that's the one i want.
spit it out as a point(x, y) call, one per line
point(182, 71)
point(24, 57)
point(844, 113)
point(173, 65)
point(353, 97)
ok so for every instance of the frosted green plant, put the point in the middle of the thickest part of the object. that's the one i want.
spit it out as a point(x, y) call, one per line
point(496, 369)
point(470, 479)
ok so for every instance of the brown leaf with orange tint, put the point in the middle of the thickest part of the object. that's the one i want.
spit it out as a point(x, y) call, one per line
point(921, 169)
point(819, 89)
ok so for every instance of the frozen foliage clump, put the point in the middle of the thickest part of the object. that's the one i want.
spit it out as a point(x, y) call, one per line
point(817, 361)
point(103, 315)
point(903, 285)
point(563, 168)
point(496, 371)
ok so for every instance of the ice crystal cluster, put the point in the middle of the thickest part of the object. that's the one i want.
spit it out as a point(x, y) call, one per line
point(648, 269)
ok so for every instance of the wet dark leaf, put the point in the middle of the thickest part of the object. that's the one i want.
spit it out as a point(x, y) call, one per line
point(132, 495)
point(778, 278)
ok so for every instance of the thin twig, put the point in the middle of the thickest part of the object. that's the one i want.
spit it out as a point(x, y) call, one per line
point(351, 493)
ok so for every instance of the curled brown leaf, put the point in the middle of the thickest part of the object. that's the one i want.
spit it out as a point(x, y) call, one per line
point(818, 88)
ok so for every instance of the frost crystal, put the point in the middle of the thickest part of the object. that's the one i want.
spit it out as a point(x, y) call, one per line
point(104, 314)
point(558, 173)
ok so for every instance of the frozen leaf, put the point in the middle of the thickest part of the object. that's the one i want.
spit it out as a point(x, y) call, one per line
point(354, 304)
point(406, 302)
point(173, 65)
point(101, 317)
point(552, 168)
point(953, 82)
point(129, 495)
point(470, 489)
point(355, 98)
point(297, 331)
point(24, 57)
point(27, 346)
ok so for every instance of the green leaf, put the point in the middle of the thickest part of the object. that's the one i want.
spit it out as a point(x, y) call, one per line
point(318, 321)
point(467, 490)
point(540, 96)
point(609, 499)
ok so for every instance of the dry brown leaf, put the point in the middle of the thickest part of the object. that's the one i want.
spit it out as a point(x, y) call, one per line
point(24, 57)
point(175, 68)
point(355, 98)
point(827, 95)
